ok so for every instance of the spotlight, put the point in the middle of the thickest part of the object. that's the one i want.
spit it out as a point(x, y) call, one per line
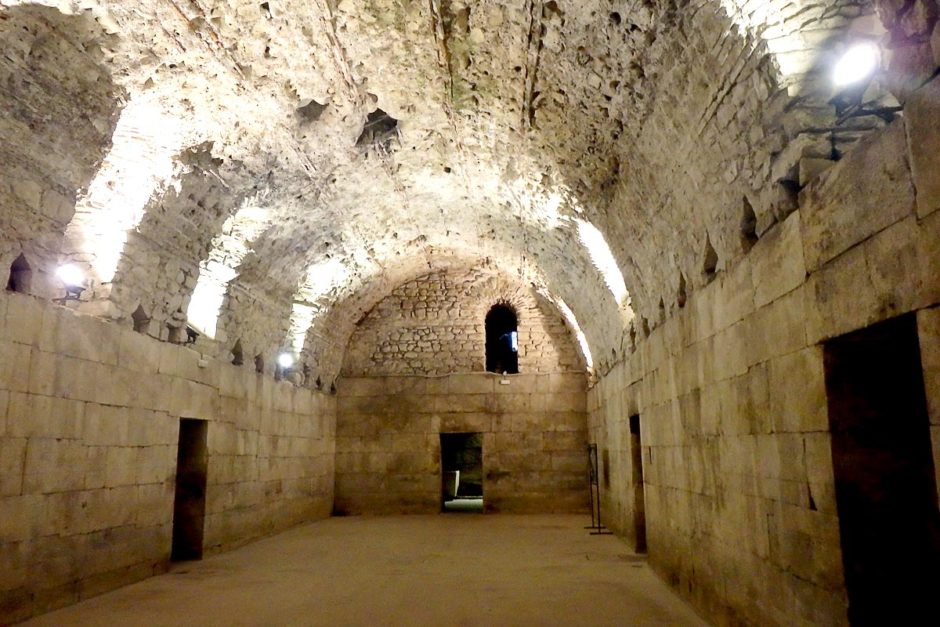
point(285, 361)
point(73, 278)
point(858, 63)
point(71, 275)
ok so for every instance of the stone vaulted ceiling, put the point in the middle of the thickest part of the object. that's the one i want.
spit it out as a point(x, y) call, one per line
point(288, 163)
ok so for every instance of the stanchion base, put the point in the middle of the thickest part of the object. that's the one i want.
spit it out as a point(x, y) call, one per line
point(602, 532)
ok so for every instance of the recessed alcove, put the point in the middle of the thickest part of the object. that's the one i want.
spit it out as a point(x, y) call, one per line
point(21, 276)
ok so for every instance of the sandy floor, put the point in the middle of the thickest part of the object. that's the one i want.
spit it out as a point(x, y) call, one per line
point(451, 569)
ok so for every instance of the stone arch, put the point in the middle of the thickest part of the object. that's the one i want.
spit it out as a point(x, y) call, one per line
point(160, 263)
point(58, 110)
point(435, 324)
point(748, 111)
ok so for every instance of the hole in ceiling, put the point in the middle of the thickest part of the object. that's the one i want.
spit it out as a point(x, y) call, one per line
point(311, 111)
point(748, 226)
point(710, 265)
point(141, 320)
point(238, 353)
point(379, 130)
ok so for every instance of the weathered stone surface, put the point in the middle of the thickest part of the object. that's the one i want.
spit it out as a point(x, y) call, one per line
point(216, 155)
point(922, 113)
point(388, 457)
point(435, 325)
point(843, 209)
point(928, 328)
point(88, 454)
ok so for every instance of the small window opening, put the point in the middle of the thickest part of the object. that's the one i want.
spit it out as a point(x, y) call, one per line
point(21, 276)
point(502, 340)
point(748, 226)
point(141, 320)
point(259, 364)
point(238, 353)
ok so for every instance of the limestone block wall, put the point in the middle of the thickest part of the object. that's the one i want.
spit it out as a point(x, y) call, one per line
point(739, 488)
point(435, 325)
point(89, 421)
point(388, 455)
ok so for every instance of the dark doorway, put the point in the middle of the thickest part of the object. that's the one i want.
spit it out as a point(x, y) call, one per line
point(885, 485)
point(639, 489)
point(189, 506)
point(502, 340)
point(462, 472)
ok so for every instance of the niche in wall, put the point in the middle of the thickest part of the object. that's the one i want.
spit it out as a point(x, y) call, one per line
point(21, 276)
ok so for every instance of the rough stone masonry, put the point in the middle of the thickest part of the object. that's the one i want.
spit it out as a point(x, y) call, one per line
point(677, 200)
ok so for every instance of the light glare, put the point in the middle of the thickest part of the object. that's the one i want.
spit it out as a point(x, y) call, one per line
point(582, 339)
point(603, 259)
point(858, 63)
point(71, 275)
point(285, 361)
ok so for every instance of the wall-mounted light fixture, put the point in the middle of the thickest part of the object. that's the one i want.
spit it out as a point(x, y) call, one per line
point(852, 76)
point(285, 362)
point(858, 63)
point(74, 280)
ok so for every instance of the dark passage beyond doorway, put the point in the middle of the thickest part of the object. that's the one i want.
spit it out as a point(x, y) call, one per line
point(884, 474)
point(462, 472)
point(189, 506)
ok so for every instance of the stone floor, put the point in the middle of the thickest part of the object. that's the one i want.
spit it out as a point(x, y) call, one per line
point(451, 569)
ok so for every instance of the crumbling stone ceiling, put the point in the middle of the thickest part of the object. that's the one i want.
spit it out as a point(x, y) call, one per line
point(659, 122)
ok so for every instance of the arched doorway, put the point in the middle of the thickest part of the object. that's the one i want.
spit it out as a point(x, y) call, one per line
point(502, 340)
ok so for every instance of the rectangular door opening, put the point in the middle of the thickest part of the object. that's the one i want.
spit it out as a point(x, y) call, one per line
point(462, 472)
point(639, 490)
point(885, 486)
point(189, 504)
